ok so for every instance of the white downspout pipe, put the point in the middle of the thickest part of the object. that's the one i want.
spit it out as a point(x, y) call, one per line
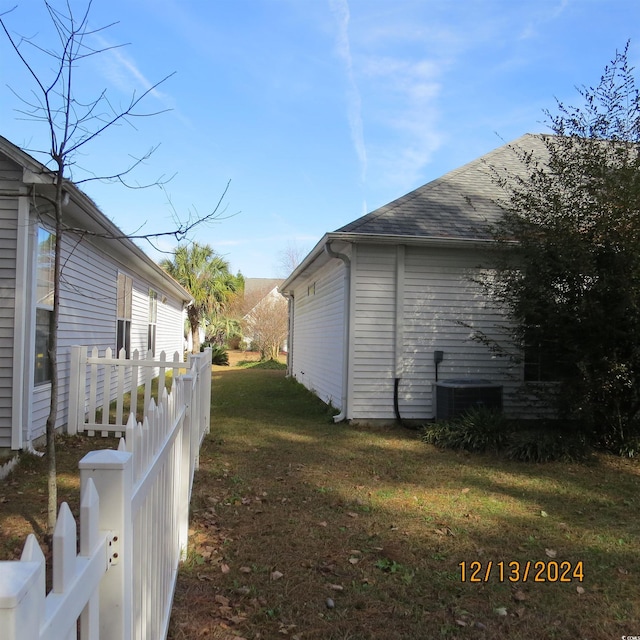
point(292, 309)
point(345, 347)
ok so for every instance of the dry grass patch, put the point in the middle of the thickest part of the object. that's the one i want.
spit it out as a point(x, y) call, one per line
point(23, 493)
point(306, 529)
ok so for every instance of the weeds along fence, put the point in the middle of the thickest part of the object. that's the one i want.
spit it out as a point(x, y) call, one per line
point(133, 531)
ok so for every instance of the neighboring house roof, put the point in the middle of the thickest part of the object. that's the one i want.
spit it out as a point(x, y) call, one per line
point(256, 290)
point(458, 207)
point(260, 285)
point(87, 216)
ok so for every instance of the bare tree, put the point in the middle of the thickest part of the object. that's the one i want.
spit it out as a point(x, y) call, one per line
point(72, 123)
point(289, 258)
point(267, 324)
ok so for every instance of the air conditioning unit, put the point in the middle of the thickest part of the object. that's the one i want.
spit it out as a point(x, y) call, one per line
point(454, 397)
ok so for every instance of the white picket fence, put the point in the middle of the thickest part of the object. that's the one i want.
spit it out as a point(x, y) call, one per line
point(133, 531)
point(96, 381)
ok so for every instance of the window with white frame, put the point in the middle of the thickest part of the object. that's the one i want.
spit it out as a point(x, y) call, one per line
point(45, 270)
point(124, 303)
point(153, 320)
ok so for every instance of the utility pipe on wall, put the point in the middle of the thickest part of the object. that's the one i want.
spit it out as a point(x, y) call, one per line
point(347, 311)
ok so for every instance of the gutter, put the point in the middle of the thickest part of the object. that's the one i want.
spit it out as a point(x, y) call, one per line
point(347, 323)
point(372, 238)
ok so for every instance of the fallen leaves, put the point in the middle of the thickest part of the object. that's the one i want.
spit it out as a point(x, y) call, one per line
point(519, 595)
point(444, 531)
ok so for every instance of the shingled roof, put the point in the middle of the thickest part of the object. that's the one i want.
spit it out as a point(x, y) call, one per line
point(461, 204)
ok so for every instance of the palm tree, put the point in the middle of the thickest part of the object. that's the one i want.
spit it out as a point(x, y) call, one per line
point(205, 274)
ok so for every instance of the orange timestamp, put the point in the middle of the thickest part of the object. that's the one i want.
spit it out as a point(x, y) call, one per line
point(516, 571)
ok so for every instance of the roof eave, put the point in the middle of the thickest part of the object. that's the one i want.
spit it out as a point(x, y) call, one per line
point(317, 253)
point(112, 233)
point(37, 174)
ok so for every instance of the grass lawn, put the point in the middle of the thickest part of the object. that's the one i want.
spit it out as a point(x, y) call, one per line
point(305, 529)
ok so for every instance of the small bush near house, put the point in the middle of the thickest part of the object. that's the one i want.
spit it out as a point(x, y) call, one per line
point(263, 364)
point(219, 355)
point(476, 430)
point(626, 444)
point(482, 430)
point(547, 444)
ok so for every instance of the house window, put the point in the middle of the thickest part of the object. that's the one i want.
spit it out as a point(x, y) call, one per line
point(125, 295)
point(153, 319)
point(45, 270)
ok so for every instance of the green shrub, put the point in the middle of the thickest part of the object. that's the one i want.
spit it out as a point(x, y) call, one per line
point(476, 430)
point(630, 448)
point(622, 441)
point(481, 430)
point(219, 356)
point(269, 364)
point(546, 444)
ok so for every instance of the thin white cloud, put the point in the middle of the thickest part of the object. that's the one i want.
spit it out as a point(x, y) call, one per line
point(539, 21)
point(340, 10)
point(409, 91)
point(123, 72)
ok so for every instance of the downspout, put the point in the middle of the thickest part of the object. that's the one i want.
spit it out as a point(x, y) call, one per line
point(291, 301)
point(345, 347)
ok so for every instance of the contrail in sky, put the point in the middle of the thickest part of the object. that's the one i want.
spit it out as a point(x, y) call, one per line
point(340, 9)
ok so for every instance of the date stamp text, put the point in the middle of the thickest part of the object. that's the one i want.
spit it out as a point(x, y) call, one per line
point(516, 571)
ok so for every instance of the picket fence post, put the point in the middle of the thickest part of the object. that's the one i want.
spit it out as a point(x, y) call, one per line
point(77, 378)
point(204, 391)
point(112, 474)
point(22, 594)
point(186, 453)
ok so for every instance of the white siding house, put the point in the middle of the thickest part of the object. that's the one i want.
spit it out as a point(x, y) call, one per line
point(112, 295)
point(375, 301)
point(317, 322)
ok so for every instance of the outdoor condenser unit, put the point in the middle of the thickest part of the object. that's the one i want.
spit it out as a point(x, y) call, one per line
point(454, 397)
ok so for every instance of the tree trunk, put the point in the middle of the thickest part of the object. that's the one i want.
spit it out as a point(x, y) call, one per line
point(52, 485)
point(195, 338)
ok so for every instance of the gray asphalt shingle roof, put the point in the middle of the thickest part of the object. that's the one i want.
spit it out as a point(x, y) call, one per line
point(462, 204)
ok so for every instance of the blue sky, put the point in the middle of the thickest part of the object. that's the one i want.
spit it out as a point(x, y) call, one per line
point(316, 111)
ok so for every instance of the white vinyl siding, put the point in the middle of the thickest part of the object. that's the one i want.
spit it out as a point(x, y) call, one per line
point(170, 326)
point(8, 239)
point(318, 333)
point(439, 302)
point(88, 317)
point(443, 308)
point(374, 318)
